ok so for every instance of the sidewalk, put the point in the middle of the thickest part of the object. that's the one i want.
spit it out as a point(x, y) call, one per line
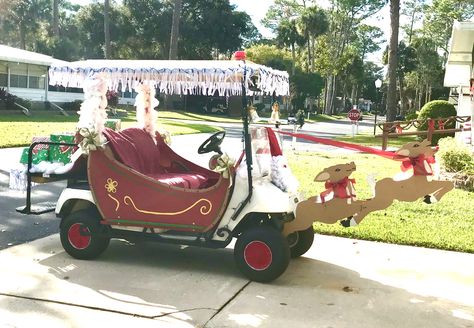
point(339, 283)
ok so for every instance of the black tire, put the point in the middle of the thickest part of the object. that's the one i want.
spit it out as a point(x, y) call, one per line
point(300, 241)
point(74, 238)
point(262, 253)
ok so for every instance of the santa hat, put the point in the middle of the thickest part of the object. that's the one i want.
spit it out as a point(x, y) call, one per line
point(275, 148)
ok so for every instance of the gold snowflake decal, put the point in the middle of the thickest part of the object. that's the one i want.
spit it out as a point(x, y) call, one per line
point(111, 185)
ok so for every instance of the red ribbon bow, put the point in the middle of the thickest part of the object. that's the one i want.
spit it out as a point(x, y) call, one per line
point(339, 188)
point(418, 165)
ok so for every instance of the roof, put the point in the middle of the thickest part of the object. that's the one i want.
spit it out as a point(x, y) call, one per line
point(174, 76)
point(460, 58)
point(23, 56)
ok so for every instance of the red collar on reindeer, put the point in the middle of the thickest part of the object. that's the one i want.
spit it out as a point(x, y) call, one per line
point(341, 189)
point(420, 164)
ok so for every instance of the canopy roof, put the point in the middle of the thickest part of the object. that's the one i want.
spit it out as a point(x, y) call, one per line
point(460, 59)
point(194, 77)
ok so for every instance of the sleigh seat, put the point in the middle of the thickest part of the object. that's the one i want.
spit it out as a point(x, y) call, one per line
point(136, 149)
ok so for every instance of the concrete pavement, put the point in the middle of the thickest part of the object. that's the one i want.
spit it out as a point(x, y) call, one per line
point(338, 283)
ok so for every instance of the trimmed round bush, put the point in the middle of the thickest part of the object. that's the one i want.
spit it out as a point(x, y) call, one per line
point(455, 156)
point(437, 109)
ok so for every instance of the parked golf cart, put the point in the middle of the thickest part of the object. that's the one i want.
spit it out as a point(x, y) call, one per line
point(130, 184)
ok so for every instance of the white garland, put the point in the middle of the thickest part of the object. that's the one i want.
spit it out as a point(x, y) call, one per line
point(282, 176)
point(173, 77)
point(92, 115)
point(145, 102)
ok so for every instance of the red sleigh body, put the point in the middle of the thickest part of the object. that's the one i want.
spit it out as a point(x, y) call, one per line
point(136, 182)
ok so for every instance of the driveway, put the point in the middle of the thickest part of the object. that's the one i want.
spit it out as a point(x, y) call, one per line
point(338, 283)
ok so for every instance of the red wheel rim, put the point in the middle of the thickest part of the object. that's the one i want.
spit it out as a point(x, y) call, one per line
point(75, 238)
point(258, 255)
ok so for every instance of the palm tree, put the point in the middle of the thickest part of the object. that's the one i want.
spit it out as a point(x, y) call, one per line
point(393, 60)
point(287, 35)
point(313, 23)
point(106, 29)
point(173, 54)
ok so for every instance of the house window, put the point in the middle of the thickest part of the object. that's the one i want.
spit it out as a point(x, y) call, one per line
point(3, 79)
point(36, 82)
point(18, 81)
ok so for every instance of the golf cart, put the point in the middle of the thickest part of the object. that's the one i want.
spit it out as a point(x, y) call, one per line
point(131, 185)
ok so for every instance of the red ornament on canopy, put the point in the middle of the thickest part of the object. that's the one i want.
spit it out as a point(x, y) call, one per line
point(239, 55)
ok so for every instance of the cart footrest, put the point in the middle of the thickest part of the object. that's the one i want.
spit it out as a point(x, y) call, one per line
point(38, 208)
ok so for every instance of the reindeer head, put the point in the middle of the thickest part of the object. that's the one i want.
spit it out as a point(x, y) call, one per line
point(336, 173)
point(416, 148)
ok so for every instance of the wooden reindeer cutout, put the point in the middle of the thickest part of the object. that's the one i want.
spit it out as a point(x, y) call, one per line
point(418, 156)
point(420, 185)
point(320, 208)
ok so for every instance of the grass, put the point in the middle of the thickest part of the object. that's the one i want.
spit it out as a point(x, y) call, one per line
point(18, 130)
point(371, 140)
point(182, 115)
point(448, 224)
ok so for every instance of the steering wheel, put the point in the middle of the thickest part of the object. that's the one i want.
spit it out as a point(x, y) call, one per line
point(212, 143)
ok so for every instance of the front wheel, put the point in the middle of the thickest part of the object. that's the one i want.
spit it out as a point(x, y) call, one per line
point(262, 253)
point(80, 235)
point(300, 241)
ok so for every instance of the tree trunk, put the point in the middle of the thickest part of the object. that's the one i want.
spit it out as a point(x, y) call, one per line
point(403, 99)
point(330, 95)
point(354, 95)
point(293, 56)
point(173, 55)
point(22, 36)
point(56, 18)
point(106, 29)
point(392, 61)
point(309, 54)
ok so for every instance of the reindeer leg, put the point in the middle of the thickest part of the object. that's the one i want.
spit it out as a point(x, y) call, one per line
point(446, 186)
point(372, 205)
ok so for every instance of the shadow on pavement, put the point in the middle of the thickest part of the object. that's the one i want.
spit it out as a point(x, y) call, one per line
point(194, 286)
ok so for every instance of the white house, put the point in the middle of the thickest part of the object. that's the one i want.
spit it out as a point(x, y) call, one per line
point(460, 68)
point(25, 74)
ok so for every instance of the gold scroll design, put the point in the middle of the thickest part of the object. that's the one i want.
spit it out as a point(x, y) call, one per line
point(111, 187)
point(204, 210)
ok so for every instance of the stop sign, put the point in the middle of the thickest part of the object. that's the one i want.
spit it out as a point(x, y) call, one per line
point(353, 114)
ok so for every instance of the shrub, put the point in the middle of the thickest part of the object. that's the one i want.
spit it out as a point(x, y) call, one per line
point(7, 98)
point(259, 107)
point(112, 98)
point(437, 109)
point(72, 106)
point(411, 116)
point(455, 157)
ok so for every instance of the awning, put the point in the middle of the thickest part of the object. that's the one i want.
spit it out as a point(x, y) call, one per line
point(16, 55)
point(460, 59)
point(181, 77)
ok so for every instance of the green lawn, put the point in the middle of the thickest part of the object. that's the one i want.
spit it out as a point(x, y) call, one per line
point(371, 140)
point(17, 130)
point(182, 115)
point(448, 224)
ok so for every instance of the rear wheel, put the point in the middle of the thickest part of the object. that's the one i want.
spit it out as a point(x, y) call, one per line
point(80, 236)
point(262, 253)
point(300, 241)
